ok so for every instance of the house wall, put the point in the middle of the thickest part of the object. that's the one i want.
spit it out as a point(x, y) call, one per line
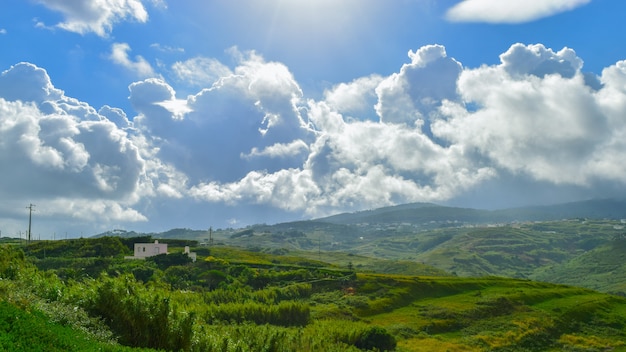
point(143, 250)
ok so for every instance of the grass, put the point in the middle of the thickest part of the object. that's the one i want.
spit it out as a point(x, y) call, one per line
point(22, 330)
point(465, 314)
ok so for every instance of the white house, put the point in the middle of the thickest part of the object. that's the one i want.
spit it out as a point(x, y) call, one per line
point(144, 250)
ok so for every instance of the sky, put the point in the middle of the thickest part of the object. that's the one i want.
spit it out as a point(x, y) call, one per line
point(148, 115)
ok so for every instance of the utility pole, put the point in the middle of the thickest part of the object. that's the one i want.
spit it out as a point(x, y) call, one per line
point(319, 247)
point(30, 219)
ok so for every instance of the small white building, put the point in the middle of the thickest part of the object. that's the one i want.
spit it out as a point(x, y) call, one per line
point(144, 250)
point(191, 255)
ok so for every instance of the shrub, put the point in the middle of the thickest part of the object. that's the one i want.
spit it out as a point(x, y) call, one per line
point(141, 317)
point(11, 261)
point(164, 261)
point(285, 313)
point(376, 338)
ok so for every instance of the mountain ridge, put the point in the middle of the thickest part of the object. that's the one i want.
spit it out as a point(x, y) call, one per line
point(610, 208)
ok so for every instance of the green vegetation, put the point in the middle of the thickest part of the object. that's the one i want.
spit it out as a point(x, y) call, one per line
point(567, 243)
point(287, 300)
point(579, 252)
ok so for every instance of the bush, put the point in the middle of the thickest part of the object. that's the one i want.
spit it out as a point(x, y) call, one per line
point(285, 313)
point(376, 338)
point(164, 261)
point(140, 316)
point(11, 261)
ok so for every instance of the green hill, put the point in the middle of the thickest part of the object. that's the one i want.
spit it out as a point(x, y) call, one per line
point(602, 268)
point(548, 243)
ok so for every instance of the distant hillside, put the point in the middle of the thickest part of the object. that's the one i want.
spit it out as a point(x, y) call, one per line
point(529, 242)
point(419, 213)
point(590, 209)
point(188, 234)
point(602, 268)
point(415, 213)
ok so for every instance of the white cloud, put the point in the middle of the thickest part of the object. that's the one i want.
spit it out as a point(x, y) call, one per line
point(433, 131)
point(551, 127)
point(72, 161)
point(279, 150)
point(255, 106)
point(27, 82)
point(200, 72)
point(3, 31)
point(510, 11)
point(167, 48)
point(115, 115)
point(83, 16)
point(539, 61)
point(140, 67)
point(411, 95)
point(354, 99)
point(532, 116)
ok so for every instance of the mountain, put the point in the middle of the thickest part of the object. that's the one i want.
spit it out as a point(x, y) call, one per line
point(420, 213)
point(415, 213)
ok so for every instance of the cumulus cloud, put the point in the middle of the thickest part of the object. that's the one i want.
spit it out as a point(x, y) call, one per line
point(511, 11)
point(547, 123)
point(540, 61)
point(84, 16)
point(200, 71)
point(279, 150)
point(354, 99)
point(115, 115)
point(432, 131)
point(444, 130)
point(28, 82)
point(139, 66)
point(255, 106)
point(413, 95)
point(69, 158)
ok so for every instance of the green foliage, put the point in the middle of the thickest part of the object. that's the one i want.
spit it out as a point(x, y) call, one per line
point(376, 338)
point(75, 268)
point(32, 331)
point(129, 242)
point(285, 313)
point(164, 261)
point(139, 316)
point(11, 260)
point(178, 241)
point(80, 247)
point(243, 233)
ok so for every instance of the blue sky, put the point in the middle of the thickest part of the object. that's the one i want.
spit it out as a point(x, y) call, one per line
point(151, 114)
